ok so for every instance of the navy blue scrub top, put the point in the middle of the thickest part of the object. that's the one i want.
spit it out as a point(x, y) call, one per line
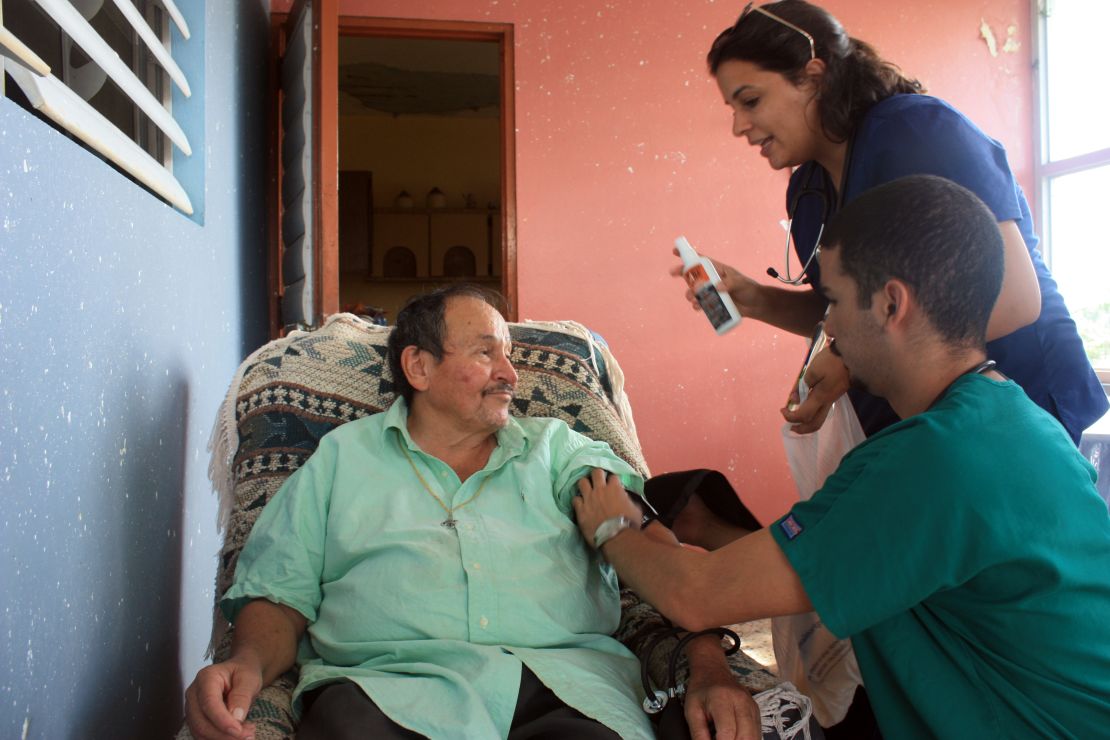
point(921, 135)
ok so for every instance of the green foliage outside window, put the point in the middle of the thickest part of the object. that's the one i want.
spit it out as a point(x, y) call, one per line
point(1094, 327)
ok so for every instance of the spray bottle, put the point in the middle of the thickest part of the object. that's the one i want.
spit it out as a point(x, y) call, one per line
point(702, 278)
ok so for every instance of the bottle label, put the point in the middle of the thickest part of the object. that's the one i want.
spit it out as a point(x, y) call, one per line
point(696, 276)
point(710, 301)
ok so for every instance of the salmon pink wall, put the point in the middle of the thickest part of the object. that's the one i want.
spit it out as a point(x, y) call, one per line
point(623, 143)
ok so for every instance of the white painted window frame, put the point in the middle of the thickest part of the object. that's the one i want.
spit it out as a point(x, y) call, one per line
point(1045, 169)
point(51, 97)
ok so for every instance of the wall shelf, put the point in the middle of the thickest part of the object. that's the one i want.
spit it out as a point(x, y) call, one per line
point(429, 233)
point(433, 211)
point(463, 241)
point(424, 279)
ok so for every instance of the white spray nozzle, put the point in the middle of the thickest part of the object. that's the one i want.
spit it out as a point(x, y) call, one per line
point(686, 252)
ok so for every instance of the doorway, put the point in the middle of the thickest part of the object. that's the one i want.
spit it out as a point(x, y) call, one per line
point(419, 169)
point(395, 162)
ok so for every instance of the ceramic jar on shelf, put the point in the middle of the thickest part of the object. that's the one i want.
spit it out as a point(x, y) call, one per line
point(436, 198)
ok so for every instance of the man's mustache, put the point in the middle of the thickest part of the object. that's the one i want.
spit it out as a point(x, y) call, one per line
point(500, 388)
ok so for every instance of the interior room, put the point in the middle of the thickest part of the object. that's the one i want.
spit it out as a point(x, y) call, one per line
point(128, 299)
point(420, 142)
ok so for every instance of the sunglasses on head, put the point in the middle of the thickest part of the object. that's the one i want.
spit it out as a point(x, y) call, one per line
point(751, 7)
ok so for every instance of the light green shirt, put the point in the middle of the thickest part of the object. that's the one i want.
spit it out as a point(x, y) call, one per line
point(434, 623)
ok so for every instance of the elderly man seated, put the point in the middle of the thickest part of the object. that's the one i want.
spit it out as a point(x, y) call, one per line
point(424, 570)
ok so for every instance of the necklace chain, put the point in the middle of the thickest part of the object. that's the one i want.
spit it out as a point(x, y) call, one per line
point(450, 521)
point(982, 368)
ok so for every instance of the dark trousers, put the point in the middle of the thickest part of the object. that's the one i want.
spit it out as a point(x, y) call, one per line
point(858, 724)
point(341, 711)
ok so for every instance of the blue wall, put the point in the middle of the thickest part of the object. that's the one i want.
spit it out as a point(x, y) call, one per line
point(121, 324)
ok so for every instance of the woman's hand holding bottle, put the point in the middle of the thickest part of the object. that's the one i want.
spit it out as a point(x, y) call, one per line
point(745, 292)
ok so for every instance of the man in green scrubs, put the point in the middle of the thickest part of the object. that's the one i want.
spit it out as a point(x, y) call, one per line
point(965, 549)
point(429, 557)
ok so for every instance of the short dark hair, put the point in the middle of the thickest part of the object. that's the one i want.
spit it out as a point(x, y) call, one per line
point(856, 77)
point(932, 234)
point(422, 323)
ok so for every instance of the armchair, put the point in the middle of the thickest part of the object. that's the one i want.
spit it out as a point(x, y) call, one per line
point(292, 391)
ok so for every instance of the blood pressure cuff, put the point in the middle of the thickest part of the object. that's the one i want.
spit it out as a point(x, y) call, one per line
point(669, 493)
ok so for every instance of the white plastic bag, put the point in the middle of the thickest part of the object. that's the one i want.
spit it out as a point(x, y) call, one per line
point(809, 656)
point(814, 456)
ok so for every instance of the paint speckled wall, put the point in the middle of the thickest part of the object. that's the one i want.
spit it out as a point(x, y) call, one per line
point(623, 143)
point(121, 324)
point(121, 321)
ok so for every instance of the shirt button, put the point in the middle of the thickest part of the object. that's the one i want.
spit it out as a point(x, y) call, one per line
point(477, 566)
point(483, 622)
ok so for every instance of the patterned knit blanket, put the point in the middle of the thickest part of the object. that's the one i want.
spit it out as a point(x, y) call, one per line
point(294, 390)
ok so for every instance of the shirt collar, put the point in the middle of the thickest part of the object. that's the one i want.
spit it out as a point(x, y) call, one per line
point(511, 440)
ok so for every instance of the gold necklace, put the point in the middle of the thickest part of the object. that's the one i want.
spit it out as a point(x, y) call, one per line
point(450, 522)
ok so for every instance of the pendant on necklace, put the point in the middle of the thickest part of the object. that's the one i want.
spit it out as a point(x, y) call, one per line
point(449, 523)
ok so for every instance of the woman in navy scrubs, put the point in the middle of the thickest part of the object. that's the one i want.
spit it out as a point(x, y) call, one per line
point(810, 97)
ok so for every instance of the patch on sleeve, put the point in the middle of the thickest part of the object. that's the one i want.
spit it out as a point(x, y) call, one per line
point(790, 527)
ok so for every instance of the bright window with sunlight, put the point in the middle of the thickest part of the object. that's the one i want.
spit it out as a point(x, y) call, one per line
point(1074, 172)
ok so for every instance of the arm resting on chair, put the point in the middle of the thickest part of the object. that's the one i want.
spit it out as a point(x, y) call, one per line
point(264, 647)
point(713, 694)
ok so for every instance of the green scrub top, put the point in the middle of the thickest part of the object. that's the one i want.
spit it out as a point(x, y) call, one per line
point(966, 552)
point(434, 623)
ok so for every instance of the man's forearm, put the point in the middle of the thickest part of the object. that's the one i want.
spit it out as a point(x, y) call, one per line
point(267, 634)
point(747, 579)
point(663, 574)
point(706, 658)
point(744, 580)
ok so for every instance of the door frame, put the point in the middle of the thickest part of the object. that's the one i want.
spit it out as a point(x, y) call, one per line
point(325, 195)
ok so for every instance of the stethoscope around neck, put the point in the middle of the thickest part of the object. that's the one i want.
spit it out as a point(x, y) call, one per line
point(818, 192)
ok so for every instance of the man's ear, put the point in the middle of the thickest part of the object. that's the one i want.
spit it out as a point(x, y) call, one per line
point(416, 365)
point(894, 303)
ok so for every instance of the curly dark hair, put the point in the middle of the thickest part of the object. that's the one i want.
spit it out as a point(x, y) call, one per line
point(421, 323)
point(856, 77)
point(932, 234)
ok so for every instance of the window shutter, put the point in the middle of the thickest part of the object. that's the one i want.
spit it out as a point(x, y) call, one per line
point(297, 232)
point(140, 26)
point(51, 97)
